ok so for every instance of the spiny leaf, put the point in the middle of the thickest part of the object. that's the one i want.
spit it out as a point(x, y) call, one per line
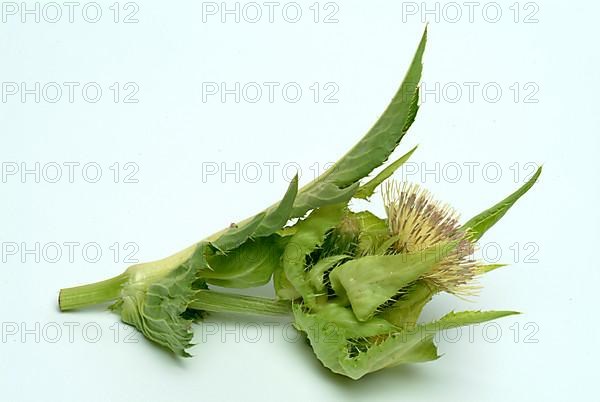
point(352, 348)
point(344, 346)
point(367, 190)
point(339, 183)
point(278, 216)
point(263, 224)
point(477, 226)
point(317, 272)
point(284, 289)
point(251, 264)
point(310, 234)
point(237, 235)
point(344, 322)
point(397, 349)
point(321, 193)
point(157, 311)
point(328, 344)
point(454, 320)
point(406, 311)
point(484, 269)
point(371, 281)
point(330, 329)
point(377, 145)
point(412, 110)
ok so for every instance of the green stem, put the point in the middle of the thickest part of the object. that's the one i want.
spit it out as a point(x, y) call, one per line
point(217, 302)
point(108, 290)
point(94, 293)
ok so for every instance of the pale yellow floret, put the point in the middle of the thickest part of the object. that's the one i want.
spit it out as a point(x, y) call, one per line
point(420, 222)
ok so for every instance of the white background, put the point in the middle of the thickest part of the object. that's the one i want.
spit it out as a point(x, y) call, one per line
point(172, 135)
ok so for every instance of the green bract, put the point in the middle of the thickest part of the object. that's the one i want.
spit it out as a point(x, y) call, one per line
point(353, 348)
point(354, 282)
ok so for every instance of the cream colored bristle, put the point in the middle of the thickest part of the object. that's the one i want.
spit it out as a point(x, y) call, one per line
point(418, 221)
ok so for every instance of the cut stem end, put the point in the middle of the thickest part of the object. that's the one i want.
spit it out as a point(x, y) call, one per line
point(91, 294)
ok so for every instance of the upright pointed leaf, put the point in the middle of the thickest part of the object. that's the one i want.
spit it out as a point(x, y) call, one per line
point(480, 224)
point(339, 183)
point(484, 269)
point(375, 147)
point(261, 225)
point(235, 236)
point(460, 319)
point(278, 216)
point(367, 190)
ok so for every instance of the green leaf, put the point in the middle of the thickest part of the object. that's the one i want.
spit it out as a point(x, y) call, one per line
point(353, 348)
point(367, 190)
point(477, 226)
point(278, 216)
point(406, 311)
point(198, 259)
point(372, 232)
point(371, 281)
point(339, 183)
point(327, 342)
point(251, 264)
point(397, 349)
point(284, 289)
point(321, 193)
point(330, 329)
point(385, 246)
point(156, 311)
point(261, 225)
point(237, 235)
point(412, 111)
point(460, 319)
point(317, 272)
point(484, 269)
point(343, 320)
point(309, 236)
point(156, 296)
point(343, 239)
point(377, 145)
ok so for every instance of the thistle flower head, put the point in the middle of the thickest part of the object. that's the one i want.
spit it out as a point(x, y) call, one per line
point(417, 221)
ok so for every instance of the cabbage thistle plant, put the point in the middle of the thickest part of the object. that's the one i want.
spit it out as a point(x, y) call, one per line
point(354, 283)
